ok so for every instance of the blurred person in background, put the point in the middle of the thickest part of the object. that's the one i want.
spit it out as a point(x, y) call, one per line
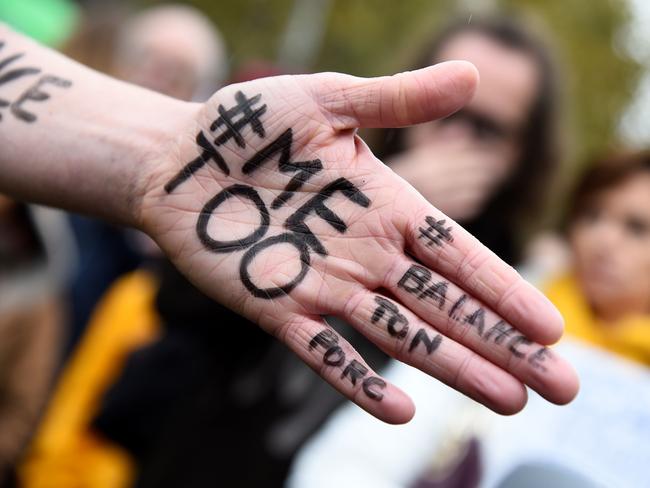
point(602, 439)
point(33, 253)
point(172, 49)
point(36, 256)
point(489, 165)
point(176, 50)
point(605, 297)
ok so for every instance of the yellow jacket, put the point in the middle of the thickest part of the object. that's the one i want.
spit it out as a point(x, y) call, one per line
point(65, 453)
point(629, 337)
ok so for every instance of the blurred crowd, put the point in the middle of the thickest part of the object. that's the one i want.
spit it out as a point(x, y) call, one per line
point(116, 372)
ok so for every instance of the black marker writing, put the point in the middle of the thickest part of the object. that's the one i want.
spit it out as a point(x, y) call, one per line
point(476, 319)
point(334, 356)
point(499, 332)
point(516, 341)
point(538, 357)
point(230, 124)
point(244, 108)
point(369, 383)
point(303, 169)
point(416, 281)
point(209, 153)
point(328, 340)
point(296, 222)
point(354, 371)
point(301, 237)
point(456, 306)
point(393, 317)
point(422, 338)
point(436, 232)
point(275, 291)
point(234, 245)
point(33, 93)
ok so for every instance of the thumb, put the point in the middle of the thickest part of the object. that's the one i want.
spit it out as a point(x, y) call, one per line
point(403, 99)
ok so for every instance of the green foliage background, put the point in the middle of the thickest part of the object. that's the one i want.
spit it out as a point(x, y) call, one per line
point(373, 37)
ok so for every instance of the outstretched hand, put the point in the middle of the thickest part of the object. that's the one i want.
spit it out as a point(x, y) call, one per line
point(271, 204)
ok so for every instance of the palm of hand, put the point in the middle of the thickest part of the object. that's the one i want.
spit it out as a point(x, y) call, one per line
point(273, 206)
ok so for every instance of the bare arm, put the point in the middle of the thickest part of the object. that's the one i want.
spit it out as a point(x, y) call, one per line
point(269, 202)
point(71, 137)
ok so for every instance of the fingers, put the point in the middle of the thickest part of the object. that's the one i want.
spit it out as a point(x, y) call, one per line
point(396, 101)
point(461, 317)
point(406, 337)
point(336, 361)
point(443, 245)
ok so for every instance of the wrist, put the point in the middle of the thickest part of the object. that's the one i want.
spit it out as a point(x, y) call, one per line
point(154, 141)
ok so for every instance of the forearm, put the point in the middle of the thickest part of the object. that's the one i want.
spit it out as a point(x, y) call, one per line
point(73, 138)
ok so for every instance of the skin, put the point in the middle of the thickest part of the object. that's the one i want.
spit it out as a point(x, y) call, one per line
point(109, 149)
point(611, 248)
point(452, 164)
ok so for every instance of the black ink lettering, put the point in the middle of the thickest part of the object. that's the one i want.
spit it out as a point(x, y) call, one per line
point(514, 342)
point(456, 307)
point(304, 169)
point(268, 293)
point(477, 319)
point(500, 331)
point(430, 344)
point(438, 292)
point(244, 108)
point(371, 381)
point(35, 94)
point(12, 74)
point(415, 279)
point(394, 317)
point(441, 232)
point(326, 338)
point(538, 357)
point(334, 356)
point(209, 154)
point(354, 371)
point(237, 244)
point(296, 222)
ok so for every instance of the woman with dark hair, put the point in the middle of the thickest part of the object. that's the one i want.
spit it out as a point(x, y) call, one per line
point(605, 298)
point(489, 164)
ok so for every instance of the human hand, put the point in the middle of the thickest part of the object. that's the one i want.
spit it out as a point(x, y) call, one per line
point(272, 205)
point(453, 175)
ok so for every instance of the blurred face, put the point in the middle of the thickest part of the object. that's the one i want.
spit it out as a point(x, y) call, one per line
point(494, 120)
point(163, 67)
point(611, 246)
point(164, 56)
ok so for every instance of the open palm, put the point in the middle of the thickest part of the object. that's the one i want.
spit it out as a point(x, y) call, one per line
point(272, 205)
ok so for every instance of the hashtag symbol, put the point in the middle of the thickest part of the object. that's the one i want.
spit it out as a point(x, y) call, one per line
point(436, 232)
point(249, 116)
